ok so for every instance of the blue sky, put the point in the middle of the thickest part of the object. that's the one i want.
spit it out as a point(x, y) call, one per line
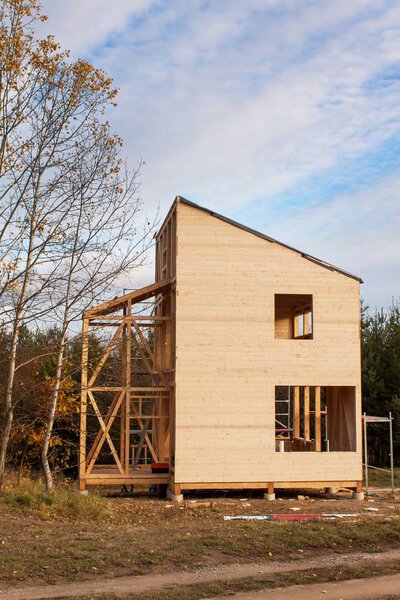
point(282, 114)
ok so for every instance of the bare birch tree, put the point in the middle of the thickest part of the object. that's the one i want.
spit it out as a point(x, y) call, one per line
point(61, 191)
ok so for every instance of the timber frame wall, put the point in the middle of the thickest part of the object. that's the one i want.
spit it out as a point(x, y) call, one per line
point(218, 359)
point(144, 403)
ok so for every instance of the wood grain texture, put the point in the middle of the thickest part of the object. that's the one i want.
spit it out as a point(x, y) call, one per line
point(228, 360)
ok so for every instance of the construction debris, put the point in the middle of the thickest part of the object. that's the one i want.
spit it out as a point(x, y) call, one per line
point(291, 517)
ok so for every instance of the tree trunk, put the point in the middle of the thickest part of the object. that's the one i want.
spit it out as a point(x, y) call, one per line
point(8, 404)
point(48, 477)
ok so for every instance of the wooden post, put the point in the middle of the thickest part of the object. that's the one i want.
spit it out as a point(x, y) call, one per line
point(307, 412)
point(174, 492)
point(306, 323)
point(83, 407)
point(318, 418)
point(128, 348)
point(296, 428)
point(270, 495)
point(122, 423)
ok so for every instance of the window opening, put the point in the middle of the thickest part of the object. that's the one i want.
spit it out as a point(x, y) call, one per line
point(315, 419)
point(293, 316)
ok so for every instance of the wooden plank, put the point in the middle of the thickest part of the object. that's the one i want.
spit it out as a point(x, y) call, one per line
point(306, 323)
point(152, 318)
point(99, 388)
point(307, 412)
point(139, 479)
point(318, 418)
point(296, 410)
point(296, 329)
point(223, 485)
point(137, 296)
point(287, 485)
point(127, 383)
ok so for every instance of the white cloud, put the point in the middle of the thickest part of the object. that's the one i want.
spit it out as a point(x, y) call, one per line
point(82, 24)
point(358, 232)
point(229, 103)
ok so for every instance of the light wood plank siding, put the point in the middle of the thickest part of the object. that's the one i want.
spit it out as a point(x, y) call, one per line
point(228, 361)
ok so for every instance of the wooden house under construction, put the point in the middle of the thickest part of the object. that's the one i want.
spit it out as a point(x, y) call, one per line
point(238, 368)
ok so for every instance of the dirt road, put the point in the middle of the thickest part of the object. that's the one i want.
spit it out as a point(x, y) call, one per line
point(145, 583)
point(355, 589)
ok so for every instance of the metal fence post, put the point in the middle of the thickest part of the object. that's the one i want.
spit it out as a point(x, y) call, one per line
point(391, 450)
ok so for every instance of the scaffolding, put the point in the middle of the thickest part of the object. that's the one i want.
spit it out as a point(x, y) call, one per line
point(367, 419)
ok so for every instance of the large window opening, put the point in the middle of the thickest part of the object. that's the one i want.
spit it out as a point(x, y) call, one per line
point(315, 419)
point(293, 316)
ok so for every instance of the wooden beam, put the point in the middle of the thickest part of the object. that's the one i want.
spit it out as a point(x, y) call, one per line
point(252, 485)
point(118, 388)
point(110, 412)
point(102, 434)
point(318, 418)
point(306, 323)
point(146, 437)
point(106, 354)
point(106, 429)
point(83, 405)
point(137, 296)
point(150, 353)
point(296, 429)
point(296, 326)
point(127, 383)
point(307, 412)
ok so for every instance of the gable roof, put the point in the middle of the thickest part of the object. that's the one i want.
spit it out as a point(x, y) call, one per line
point(309, 257)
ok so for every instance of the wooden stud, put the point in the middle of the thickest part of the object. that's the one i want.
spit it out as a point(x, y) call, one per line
point(307, 412)
point(318, 418)
point(296, 428)
point(127, 383)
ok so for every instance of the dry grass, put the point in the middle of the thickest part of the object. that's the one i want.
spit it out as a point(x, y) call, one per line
point(380, 479)
point(66, 536)
point(28, 495)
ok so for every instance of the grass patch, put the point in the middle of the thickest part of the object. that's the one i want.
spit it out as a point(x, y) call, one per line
point(64, 502)
point(64, 536)
point(381, 479)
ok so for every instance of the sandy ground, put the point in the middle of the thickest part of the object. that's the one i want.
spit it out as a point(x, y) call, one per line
point(145, 583)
